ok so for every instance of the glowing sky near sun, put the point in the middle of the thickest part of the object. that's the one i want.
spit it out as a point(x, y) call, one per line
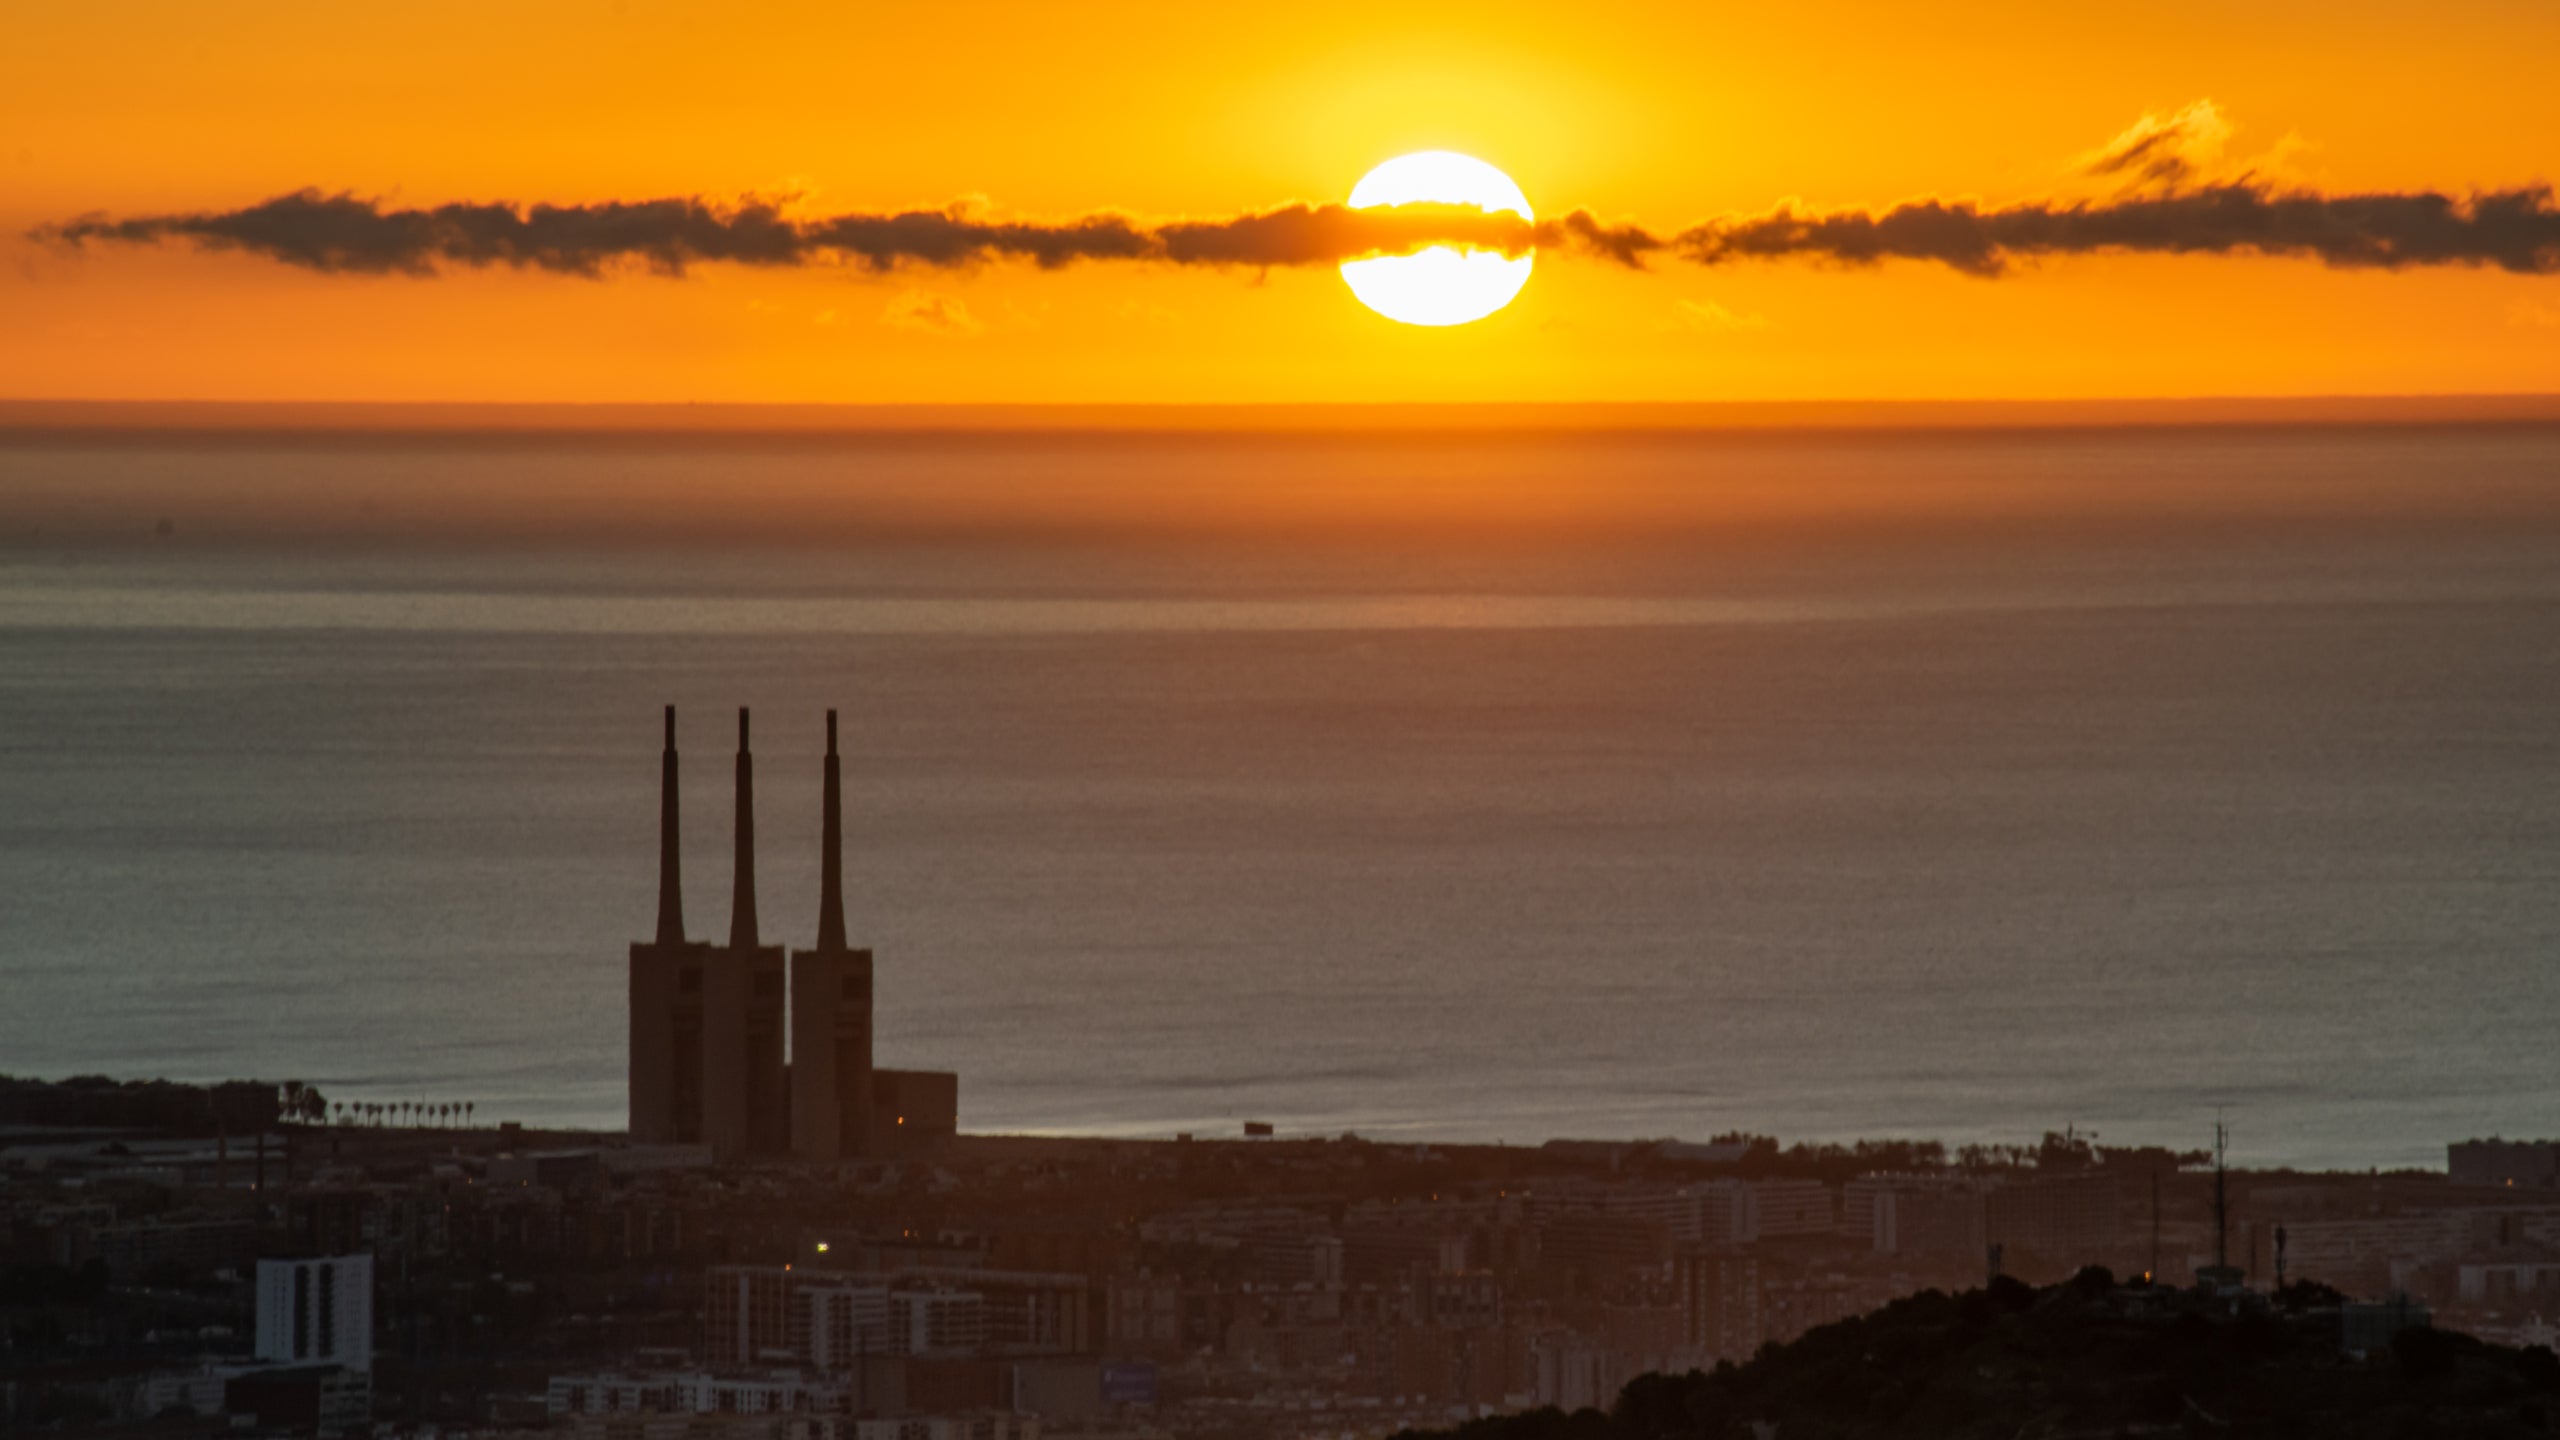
point(1660, 114)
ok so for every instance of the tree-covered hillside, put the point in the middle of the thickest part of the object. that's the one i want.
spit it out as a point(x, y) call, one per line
point(2084, 1359)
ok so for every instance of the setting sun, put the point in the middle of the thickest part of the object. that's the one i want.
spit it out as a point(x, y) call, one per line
point(1442, 285)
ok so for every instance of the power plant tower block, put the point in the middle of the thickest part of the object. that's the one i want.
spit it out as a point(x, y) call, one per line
point(709, 1022)
point(831, 1086)
point(666, 994)
point(744, 1088)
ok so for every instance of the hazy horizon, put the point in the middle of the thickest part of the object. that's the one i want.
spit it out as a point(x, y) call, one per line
point(77, 413)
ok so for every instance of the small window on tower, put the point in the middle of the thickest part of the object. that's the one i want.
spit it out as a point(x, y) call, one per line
point(769, 984)
point(689, 980)
point(852, 988)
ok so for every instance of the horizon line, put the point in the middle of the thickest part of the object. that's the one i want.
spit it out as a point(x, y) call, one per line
point(37, 416)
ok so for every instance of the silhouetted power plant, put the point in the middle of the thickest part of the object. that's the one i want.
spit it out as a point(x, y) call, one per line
point(708, 1021)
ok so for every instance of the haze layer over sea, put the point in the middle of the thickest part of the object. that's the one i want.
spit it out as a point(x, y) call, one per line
point(1458, 786)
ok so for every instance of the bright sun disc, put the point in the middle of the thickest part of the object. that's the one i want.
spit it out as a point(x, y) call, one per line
point(1440, 285)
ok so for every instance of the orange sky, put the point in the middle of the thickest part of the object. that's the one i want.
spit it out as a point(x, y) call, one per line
point(1667, 113)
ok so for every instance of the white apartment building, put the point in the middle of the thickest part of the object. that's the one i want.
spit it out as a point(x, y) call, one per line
point(316, 1312)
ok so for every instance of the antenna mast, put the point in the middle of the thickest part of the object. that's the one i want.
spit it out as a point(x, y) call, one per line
point(2154, 1276)
point(2221, 1201)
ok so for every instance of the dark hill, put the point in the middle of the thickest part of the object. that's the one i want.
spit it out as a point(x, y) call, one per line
point(2087, 1358)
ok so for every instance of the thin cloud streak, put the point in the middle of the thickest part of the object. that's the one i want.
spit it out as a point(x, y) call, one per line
point(2516, 230)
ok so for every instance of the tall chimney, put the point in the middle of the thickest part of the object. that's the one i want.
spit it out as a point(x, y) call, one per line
point(742, 905)
point(670, 883)
point(831, 852)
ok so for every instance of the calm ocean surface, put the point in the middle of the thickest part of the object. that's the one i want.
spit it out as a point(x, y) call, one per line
point(1963, 786)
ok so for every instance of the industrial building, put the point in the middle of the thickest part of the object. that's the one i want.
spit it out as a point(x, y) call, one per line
point(709, 1022)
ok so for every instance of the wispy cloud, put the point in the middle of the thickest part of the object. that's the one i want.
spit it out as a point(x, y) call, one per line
point(2168, 150)
point(1710, 317)
point(933, 314)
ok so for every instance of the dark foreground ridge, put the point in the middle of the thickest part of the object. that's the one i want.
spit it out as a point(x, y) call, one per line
point(2084, 1358)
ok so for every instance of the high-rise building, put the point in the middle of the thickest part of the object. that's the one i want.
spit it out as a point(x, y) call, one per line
point(1719, 1293)
point(831, 1087)
point(847, 1323)
point(747, 1315)
point(316, 1312)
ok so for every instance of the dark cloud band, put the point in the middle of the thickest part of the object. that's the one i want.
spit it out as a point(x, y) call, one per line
point(341, 233)
point(2516, 230)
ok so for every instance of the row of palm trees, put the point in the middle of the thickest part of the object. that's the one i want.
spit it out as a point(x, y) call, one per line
point(436, 1114)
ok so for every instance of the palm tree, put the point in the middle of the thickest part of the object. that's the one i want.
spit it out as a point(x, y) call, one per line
point(467, 1108)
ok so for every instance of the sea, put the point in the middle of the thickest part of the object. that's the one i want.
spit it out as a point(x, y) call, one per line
point(1460, 786)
